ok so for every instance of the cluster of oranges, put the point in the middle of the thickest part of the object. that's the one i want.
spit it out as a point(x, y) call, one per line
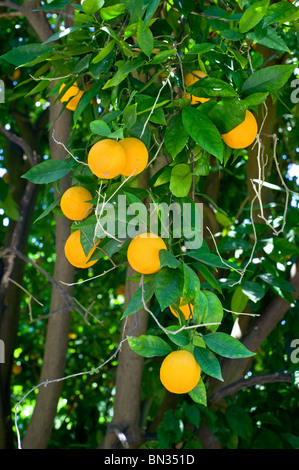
point(241, 136)
point(106, 159)
point(179, 372)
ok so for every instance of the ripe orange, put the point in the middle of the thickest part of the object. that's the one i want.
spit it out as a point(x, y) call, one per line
point(16, 369)
point(74, 251)
point(143, 253)
point(136, 156)
point(15, 76)
point(184, 309)
point(179, 372)
point(107, 158)
point(244, 134)
point(191, 78)
point(74, 92)
point(73, 203)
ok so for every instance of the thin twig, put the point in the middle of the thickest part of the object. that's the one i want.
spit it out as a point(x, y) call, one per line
point(165, 330)
point(241, 313)
point(31, 297)
point(65, 148)
point(164, 83)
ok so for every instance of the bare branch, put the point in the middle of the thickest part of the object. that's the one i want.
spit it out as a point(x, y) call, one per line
point(235, 387)
point(33, 157)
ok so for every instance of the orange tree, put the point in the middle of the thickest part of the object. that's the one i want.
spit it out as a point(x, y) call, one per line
point(178, 104)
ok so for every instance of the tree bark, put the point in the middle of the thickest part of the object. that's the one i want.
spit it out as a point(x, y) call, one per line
point(25, 195)
point(41, 423)
point(124, 429)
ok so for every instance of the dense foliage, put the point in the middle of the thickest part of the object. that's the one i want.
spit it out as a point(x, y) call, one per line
point(130, 59)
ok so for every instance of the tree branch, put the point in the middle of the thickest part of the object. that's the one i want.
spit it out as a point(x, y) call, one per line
point(234, 387)
point(33, 157)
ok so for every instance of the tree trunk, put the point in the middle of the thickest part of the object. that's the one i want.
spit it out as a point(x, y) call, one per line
point(25, 195)
point(124, 429)
point(41, 423)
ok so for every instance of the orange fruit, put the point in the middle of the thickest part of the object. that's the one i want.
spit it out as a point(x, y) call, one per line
point(191, 78)
point(16, 369)
point(184, 309)
point(120, 290)
point(15, 76)
point(5, 177)
point(136, 156)
point(107, 158)
point(244, 134)
point(179, 372)
point(74, 251)
point(143, 253)
point(72, 96)
point(73, 203)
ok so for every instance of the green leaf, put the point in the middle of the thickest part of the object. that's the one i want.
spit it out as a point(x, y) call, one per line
point(207, 362)
point(24, 54)
point(231, 34)
point(112, 11)
point(180, 339)
point(253, 290)
point(104, 52)
point(253, 15)
point(90, 7)
point(201, 48)
point(209, 87)
point(65, 32)
point(86, 98)
point(228, 114)
point(47, 171)
point(200, 306)
point(239, 421)
point(168, 286)
point(100, 127)
point(202, 166)
point(268, 37)
point(203, 131)
point(175, 137)
point(277, 281)
point(152, 5)
point(191, 285)
point(149, 346)
point(199, 394)
point(269, 79)
point(210, 259)
point(163, 56)
point(135, 304)
point(255, 99)
point(180, 180)
point(168, 259)
point(48, 209)
point(123, 71)
point(205, 272)
point(239, 300)
point(280, 12)
point(145, 38)
point(130, 115)
point(226, 346)
point(214, 312)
